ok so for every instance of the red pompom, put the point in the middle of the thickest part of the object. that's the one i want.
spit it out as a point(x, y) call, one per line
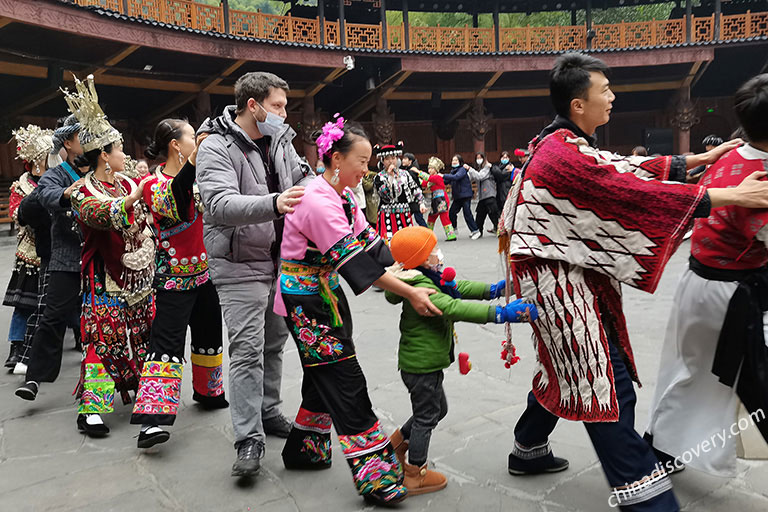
point(464, 364)
point(449, 274)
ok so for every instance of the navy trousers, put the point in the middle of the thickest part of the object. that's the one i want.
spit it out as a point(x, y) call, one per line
point(626, 458)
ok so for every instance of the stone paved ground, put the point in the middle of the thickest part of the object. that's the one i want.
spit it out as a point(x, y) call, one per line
point(46, 465)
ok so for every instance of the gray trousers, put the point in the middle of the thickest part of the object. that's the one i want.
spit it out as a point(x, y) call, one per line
point(256, 340)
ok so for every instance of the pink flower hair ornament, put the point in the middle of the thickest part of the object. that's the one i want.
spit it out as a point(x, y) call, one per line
point(332, 131)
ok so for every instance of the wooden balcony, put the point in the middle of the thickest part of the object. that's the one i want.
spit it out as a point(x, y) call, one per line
point(439, 39)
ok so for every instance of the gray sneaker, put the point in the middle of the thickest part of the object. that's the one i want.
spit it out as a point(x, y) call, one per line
point(249, 455)
point(278, 426)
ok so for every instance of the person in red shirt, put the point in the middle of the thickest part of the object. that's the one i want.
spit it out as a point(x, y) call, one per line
point(440, 203)
point(698, 396)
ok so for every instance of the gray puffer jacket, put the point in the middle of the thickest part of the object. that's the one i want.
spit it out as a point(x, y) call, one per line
point(239, 227)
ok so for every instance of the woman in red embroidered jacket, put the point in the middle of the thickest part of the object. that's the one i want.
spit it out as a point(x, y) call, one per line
point(117, 265)
point(184, 294)
point(440, 203)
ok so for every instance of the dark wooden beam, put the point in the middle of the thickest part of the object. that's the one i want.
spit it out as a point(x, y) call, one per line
point(406, 26)
point(54, 76)
point(384, 34)
point(225, 12)
point(367, 102)
point(206, 87)
point(496, 35)
point(321, 19)
point(718, 12)
point(688, 21)
point(4, 22)
point(333, 75)
point(342, 28)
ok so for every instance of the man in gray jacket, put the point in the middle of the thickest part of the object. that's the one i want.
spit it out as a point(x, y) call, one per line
point(247, 169)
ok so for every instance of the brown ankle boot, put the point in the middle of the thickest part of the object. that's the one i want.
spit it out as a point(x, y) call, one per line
point(400, 446)
point(420, 480)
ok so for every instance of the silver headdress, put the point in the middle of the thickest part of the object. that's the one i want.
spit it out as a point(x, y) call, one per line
point(95, 130)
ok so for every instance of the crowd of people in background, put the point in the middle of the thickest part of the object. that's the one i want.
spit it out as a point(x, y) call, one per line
point(234, 224)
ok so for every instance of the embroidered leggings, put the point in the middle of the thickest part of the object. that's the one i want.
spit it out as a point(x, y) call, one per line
point(157, 400)
point(337, 393)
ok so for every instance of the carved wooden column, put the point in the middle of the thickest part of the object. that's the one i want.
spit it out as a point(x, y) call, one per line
point(479, 124)
point(383, 122)
point(311, 124)
point(684, 117)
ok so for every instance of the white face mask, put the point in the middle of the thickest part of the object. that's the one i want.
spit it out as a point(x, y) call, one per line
point(272, 124)
point(438, 267)
point(479, 162)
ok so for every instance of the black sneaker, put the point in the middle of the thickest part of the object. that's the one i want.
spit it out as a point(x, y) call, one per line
point(91, 429)
point(14, 355)
point(277, 426)
point(149, 439)
point(28, 391)
point(547, 464)
point(249, 454)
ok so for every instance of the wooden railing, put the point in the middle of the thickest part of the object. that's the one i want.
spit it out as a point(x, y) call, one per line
point(439, 39)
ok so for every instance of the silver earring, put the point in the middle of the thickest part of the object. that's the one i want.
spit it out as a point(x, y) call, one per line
point(108, 169)
point(181, 159)
point(335, 178)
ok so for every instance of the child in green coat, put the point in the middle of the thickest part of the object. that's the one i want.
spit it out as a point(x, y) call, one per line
point(426, 344)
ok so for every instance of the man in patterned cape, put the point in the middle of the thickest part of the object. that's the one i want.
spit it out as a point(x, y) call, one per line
point(579, 222)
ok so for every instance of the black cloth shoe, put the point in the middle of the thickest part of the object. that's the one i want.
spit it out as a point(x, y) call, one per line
point(91, 430)
point(387, 497)
point(148, 440)
point(14, 354)
point(210, 403)
point(28, 391)
point(249, 454)
point(546, 464)
point(671, 464)
point(277, 426)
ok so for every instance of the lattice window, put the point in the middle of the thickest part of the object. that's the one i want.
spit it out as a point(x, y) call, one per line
point(243, 23)
point(306, 30)
point(453, 39)
point(332, 33)
point(703, 29)
point(424, 38)
point(115, 5)
point(513, 39)
point(760, 24)
point(481, 40)
point(607, 36)
point(178, 12)
point(274, 27)
point(395, 37)
point(670, 32)
point(209, 17)
point(573, 38)
point(733, 27)
point(542, 39)
point(637, 34)
point(363, 36)
point(148, 9)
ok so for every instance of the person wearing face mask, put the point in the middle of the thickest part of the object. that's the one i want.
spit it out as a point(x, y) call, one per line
point(249, 174)
point(461, 190)
point(487, 175)
point(326, 238)
point(427, 344)
point(504, 181)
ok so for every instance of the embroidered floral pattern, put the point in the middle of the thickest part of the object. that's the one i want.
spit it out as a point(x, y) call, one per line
point(98, 390)
point(375, 471)
point(160, 389)
point(315, 421)
point(371, 440)
point(207, 378)
point(163, 202)
point(313, 339)
point(317, 447)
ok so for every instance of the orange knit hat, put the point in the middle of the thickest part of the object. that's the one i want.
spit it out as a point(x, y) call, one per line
point(411, 246)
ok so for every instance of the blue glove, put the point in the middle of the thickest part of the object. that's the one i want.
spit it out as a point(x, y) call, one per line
point(497, 290)
point(515, 312)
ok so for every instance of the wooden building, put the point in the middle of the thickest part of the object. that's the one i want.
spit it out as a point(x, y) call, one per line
point(440, 89)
